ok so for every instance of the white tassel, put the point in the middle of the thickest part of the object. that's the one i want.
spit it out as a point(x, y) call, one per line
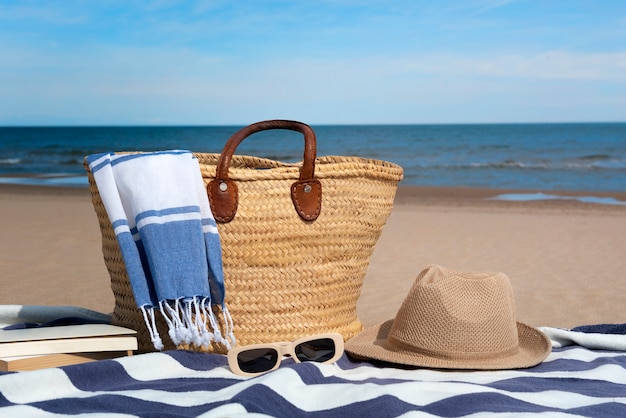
point(228, 324)
point(171, 326)
point(184, 332)
point(174, 320)
point(217, 333)
point(152, 329)
point(207, 336)
point(192, 322)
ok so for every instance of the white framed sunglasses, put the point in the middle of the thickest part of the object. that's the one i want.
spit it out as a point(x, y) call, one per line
point(253, 360)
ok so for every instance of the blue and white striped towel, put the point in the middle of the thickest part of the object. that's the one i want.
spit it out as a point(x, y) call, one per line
point(169, 241)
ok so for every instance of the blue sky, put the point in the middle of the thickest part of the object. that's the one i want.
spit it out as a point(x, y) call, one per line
point(167, 62)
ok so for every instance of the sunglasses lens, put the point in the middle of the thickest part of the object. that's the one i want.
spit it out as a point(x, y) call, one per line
point(319, 350)
point(257, 360)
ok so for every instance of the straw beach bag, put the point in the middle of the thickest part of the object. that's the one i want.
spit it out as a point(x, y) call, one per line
point(296, 239)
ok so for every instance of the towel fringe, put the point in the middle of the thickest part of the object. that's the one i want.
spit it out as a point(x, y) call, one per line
point(172, 325)
point(228, 324)
point(172, 318)
point(191, 318)
point(182, 330)
point(207, 336)
point(152, 328)
point(190, 321)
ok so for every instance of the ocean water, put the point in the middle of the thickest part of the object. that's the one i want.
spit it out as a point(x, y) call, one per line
point(585, 156)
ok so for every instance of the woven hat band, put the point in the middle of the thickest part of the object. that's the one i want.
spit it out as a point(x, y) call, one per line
point(449, 356)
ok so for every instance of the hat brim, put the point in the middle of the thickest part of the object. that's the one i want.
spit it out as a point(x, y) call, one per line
point(534, 347)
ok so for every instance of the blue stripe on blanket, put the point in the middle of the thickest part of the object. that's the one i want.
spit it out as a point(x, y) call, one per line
point(602, 329)
point(573, 380)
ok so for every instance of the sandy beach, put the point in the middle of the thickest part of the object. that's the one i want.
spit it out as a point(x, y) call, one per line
point(565, 259)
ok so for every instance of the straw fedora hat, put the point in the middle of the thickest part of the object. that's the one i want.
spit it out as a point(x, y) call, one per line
point(455, 320)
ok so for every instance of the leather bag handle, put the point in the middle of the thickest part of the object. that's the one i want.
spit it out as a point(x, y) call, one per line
point(306, 193)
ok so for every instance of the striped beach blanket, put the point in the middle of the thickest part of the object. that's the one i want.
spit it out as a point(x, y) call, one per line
point(573, 381)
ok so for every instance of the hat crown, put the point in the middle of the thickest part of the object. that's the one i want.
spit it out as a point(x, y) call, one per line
point(454, 314)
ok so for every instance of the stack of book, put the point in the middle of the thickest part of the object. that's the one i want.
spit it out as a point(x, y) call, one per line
point(38, 348)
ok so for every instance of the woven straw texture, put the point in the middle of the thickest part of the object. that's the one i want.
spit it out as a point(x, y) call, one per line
point(285, 277)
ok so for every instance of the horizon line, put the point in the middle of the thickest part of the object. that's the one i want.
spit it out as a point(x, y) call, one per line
point(229, 125)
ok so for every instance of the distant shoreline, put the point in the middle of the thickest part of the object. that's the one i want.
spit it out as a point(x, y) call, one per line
point(489, 196)
point(408, 194)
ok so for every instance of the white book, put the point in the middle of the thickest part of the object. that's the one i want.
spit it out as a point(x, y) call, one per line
point(66, 339)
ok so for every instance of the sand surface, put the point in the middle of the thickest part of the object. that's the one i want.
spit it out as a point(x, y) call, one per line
point(565, 259)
